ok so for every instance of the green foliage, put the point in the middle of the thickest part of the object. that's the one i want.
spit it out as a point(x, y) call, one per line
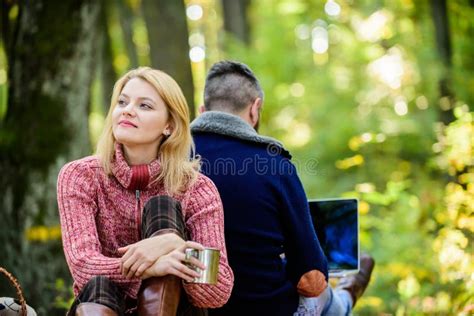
point(360, 118)
point(367, 110)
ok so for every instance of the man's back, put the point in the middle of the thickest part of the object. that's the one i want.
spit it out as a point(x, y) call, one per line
point(271, 243)
point(265, 216)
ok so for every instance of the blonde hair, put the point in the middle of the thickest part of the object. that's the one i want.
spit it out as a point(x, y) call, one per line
point(178, 168)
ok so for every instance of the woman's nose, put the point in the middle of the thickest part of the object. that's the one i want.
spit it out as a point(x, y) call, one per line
point(129, 109)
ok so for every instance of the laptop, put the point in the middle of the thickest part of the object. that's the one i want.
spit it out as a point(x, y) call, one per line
point(336, 222)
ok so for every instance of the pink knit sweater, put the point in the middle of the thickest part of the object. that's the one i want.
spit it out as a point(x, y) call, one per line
point(99, 214)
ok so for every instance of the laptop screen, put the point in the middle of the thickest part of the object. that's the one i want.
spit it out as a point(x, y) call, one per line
point(337, 227)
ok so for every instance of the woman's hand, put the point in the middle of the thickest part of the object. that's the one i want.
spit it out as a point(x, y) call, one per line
point(141, 255)
point(174, 263)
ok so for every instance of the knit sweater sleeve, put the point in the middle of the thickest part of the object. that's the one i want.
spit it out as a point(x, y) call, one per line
point(76, 192)
point(302, 249)
point(205, 222)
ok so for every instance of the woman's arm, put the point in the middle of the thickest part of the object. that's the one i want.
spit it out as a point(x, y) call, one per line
point(174, 263)
point(77, 209)
point(140, 256)
point(204, 218)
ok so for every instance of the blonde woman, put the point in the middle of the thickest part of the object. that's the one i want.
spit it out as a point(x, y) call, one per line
point(128, 212)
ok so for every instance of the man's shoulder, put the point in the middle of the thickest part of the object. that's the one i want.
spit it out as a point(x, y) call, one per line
point(266, 149)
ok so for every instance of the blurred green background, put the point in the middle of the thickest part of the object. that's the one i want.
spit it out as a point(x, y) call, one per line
point(373, 98)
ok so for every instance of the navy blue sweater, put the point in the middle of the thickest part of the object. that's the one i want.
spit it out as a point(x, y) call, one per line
point(266, 215)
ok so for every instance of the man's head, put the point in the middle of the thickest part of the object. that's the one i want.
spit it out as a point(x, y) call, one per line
point(232, 87)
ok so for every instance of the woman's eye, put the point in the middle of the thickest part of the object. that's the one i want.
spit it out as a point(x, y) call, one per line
point(121, 102)
point(146, 106)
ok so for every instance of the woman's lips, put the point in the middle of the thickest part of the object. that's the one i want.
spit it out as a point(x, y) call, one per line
point(127, 123)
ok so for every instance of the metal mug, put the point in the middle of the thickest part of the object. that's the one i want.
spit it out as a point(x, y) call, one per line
point(210, 258)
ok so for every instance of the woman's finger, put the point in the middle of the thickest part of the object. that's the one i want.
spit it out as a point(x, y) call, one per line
point(188, 273)
point(129, 252)
point(142, 268)
point(123, 250)
point(186, 270)
point(191, 260)
point(133, 269)
point(178, 273)
point(127, 264)
point(195, 262)
point(194, 245)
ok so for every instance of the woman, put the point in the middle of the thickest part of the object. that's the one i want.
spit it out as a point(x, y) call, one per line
point(126, 212)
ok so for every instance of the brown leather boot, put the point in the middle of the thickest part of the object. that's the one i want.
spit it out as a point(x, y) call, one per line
point(357, 283)
point(159, 296)
point(94, 309)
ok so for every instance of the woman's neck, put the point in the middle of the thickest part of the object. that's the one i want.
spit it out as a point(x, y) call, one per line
point(138, 155)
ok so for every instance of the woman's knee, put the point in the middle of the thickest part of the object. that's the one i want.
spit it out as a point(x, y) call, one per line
point(162, 213)
point(99, 284)
point(103, 291)
point(162, 204)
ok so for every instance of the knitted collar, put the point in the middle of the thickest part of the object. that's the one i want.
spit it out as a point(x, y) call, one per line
point(133, 177)
point(231, 125)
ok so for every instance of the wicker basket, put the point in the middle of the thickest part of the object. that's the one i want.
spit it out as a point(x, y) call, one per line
point(19, 292)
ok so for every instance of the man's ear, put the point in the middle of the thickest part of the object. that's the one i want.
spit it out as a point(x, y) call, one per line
point(254, 113)
point(201, 109)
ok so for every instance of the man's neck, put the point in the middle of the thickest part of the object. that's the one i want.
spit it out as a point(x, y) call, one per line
point(244, 114)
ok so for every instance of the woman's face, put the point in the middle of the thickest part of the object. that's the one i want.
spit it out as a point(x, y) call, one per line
point(140, 117)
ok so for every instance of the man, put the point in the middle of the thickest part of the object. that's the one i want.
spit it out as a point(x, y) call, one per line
point(271, 243)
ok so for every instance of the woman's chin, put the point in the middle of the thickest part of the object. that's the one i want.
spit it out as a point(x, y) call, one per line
point(124, 139)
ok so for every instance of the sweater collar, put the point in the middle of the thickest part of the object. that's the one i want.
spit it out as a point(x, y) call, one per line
point(231, 125)
point(133, 177)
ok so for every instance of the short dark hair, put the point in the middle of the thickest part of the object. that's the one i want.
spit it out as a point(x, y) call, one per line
point(230, 86)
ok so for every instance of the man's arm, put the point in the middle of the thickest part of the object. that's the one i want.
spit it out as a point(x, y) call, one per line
point(306, 262)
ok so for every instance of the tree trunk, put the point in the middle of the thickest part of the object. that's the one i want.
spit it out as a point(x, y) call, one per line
point(50, 55)
point(108, 74)
point(168, 38)
point(443, 43)
point(235, 19)
point(126, 23)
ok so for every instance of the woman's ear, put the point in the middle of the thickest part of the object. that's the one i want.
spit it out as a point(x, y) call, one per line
point(168, 130)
